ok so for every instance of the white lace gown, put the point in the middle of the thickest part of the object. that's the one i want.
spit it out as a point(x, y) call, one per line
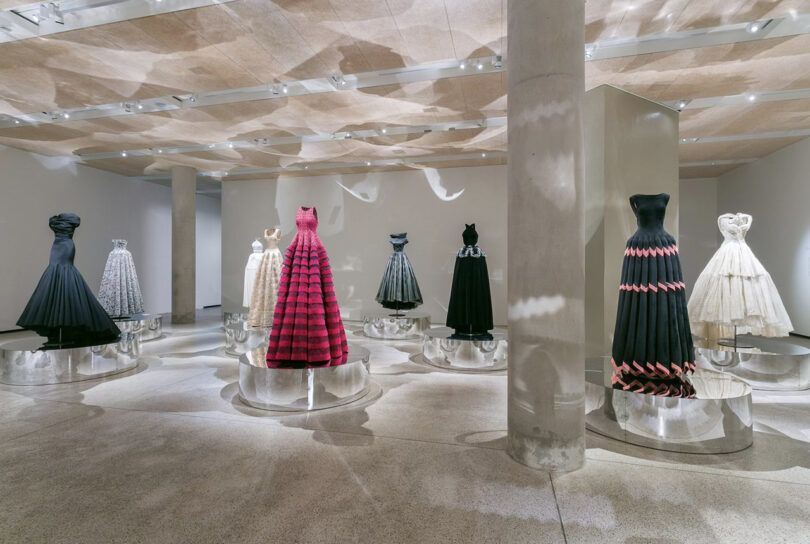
point(265, 287)
point(735, 289)
point(120, 293)
point(250, 272)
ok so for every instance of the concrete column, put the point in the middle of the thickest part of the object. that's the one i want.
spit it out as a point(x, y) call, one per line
point(546, 415)
point(184, 207)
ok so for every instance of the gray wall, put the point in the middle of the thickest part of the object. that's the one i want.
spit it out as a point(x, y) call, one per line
point(631, 146)
point(355, 223)
point(34, 187)
point(699, 237)
point(775, 190)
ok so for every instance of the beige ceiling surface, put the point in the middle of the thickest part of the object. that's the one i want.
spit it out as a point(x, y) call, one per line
point(251, 42)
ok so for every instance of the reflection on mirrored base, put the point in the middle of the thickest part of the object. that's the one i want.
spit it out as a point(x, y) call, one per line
point(239, 339)
point(289, 389)
point(233, 318)
point(387, 325)
point(149, 326)
point(486, 353)
point(24, 362)
point(718, 420)
point(772, 364)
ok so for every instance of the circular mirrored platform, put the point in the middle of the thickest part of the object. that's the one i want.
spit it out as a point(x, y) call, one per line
point(485, 353)
point(290, 389)
point(719, 420)
point(149, 326)
point(240, 339)
point(386, 325)
point(27, 362)
point(772, 364)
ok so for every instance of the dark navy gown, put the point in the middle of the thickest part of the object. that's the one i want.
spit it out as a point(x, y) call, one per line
point(652, 343)
point(63, 308)
point(469, 312)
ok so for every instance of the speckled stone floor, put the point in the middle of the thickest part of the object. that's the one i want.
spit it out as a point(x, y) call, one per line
point(166, 453)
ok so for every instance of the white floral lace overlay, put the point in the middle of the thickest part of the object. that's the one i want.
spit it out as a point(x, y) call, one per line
point(120, 293)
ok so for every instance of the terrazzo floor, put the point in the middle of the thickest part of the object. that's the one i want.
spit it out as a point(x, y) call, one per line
point(166, 453)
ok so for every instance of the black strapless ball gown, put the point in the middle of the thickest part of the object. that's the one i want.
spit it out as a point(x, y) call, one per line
point(652, 341)
point(63, 308)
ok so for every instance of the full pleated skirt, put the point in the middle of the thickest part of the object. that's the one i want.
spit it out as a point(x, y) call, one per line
point(399, 288)
point(470, 307)
point(652, 344)
point(735, 290)
point(265, 290)
point(120, 292)
point(62, 301)
point(307, 329)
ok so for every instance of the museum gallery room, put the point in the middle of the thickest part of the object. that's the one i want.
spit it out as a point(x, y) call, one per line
point(405, 271)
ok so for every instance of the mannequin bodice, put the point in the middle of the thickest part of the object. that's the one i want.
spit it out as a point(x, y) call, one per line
point(306, 219)
point(271, 238)
point(734, 226)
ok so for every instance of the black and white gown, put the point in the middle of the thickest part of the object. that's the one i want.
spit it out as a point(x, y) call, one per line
point(63, 307)
point(399, 289)
point(469, 312)
point(652, 343)
point(120, 293)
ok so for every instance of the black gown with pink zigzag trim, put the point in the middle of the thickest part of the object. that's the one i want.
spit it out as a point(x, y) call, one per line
point(652, 342)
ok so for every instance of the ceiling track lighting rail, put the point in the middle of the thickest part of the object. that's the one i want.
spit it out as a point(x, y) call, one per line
point(724, 162)
point(321, 166)
point(46, 18)
point(742, 99)
point(408, 74)
point(382, 132)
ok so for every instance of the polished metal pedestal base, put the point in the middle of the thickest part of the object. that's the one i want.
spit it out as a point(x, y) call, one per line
point(773, 364)
point(239, 339)
point(389, 326)
point(22, 362)
point(149, 326)
point(445, 350)
point(719, 420)
point(289, 389)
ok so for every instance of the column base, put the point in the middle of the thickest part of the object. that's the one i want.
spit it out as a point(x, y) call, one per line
point(547, 455)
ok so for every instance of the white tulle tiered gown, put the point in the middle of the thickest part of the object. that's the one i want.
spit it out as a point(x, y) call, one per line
point(251, 268)
point(265, 286)
point(735, 290)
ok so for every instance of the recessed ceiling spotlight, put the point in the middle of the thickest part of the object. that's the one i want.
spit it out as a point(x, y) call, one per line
point(751, 97)
point(480, 65)
point(683, 140)
point(140, 106)
point(16, 121)
point(210, 146)
point(463, 65)
point(590, 49)
point(754, 27)
point(368, 163)
point(160, 151)
point(192, 98)
point(483, 155)
point(682, 104)
point(306, 167)
point(284, 89)
point(230, 145)
point(384, 131)
point(66, 115)
point(123, 153)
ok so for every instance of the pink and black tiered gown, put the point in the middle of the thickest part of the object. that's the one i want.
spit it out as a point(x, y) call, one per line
point(307, 328)
point(652, 342)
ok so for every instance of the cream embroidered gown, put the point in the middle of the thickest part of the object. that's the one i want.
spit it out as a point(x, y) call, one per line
point(265, 287)
point(735, 289)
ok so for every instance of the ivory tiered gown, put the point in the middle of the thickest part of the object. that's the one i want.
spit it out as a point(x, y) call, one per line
point(735, 290)
point(265, 286)
point(251, 268)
